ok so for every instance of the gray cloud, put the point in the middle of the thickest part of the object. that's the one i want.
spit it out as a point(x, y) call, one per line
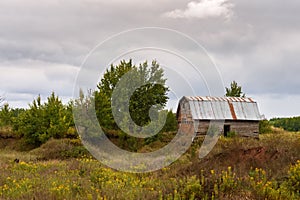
point(23, 80)
point(42, 44)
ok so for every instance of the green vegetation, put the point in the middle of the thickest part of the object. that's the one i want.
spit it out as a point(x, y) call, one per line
point(231, 134)
point(6, 115)
point(152, 92)
point(289, 124)
point(234, 90)
point(265, 127)
point(41, 122)
point(237, 168)
point(50, 120)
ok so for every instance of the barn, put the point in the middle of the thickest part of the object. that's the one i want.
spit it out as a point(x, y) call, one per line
point(238, 115)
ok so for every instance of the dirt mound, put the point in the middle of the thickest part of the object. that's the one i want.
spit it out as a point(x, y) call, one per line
point(9, 143)
point(255, 157)
point(261, 154)
point(240, 159)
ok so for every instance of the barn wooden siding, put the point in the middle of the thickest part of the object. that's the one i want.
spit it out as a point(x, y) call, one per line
point(242, 128)
point(240, 115)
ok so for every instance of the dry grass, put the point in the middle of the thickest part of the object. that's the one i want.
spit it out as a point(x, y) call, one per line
point(237, 168)
point(273, 152)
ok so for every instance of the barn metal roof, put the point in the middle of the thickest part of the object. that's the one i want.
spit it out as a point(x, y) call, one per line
point(230, 108)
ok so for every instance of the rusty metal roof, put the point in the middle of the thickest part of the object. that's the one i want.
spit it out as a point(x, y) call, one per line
point(218, 108)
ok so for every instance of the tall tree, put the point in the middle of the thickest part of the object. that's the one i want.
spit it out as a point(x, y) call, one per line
point(56, 116)
point(104, 93)
point(152, 93)
point(235, 90)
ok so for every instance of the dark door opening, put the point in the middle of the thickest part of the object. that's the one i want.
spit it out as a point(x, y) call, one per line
point(226, 130)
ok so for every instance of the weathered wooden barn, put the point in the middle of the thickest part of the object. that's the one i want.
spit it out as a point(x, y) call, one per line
point(238, 115)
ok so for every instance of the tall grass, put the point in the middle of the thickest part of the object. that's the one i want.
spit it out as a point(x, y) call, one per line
point(237, 168)
point(87, 179)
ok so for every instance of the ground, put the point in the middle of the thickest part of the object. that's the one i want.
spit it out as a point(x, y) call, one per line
point(237, 168)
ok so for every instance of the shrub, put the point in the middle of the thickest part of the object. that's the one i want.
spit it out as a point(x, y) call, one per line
point(231, 134)
point(60, 149)
point(264, 127)
point(293, 181)
point(44, 121)
point(192, 188)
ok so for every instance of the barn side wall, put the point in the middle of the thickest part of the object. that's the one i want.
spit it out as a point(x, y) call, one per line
point(245, 128)
point(240, 127)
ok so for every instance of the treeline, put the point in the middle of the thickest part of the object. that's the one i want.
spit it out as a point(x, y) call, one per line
point(52, 119)
point(289, 124)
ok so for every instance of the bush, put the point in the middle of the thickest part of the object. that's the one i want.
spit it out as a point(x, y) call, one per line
point(44, 121)
point(60, 149)
point(231, 134)
point(294, 178)
point(264, 127)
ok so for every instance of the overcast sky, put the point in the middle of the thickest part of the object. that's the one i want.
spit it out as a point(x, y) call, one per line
point(257, 43)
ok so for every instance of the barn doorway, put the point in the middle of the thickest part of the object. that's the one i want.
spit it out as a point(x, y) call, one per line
point(226, 130)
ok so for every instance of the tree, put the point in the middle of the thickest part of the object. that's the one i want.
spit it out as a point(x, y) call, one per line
point(56, 116)
point(171, 122)
point(42, 121)
point(103, 94)
point(289, 124)
point(234, 90)
point(6, 115)
point(151, 94)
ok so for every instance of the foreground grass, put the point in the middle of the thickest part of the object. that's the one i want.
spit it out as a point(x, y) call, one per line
point(235, 169)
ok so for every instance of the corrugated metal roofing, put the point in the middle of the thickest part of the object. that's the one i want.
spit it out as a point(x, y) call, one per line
point(218, 108)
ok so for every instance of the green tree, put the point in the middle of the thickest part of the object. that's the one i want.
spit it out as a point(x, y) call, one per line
point(152, 93)
point(83, 109)
point(104, 93)
point(56, 116)
point(6, 115)
point(289, 124)
point(171, 122)
point(42, 121)
point(234, 91)
point(31, 124)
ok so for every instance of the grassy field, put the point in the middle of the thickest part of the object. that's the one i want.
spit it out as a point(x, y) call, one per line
point(237, 168)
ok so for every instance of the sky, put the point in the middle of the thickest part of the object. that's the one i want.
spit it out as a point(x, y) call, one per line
point(43, 44)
